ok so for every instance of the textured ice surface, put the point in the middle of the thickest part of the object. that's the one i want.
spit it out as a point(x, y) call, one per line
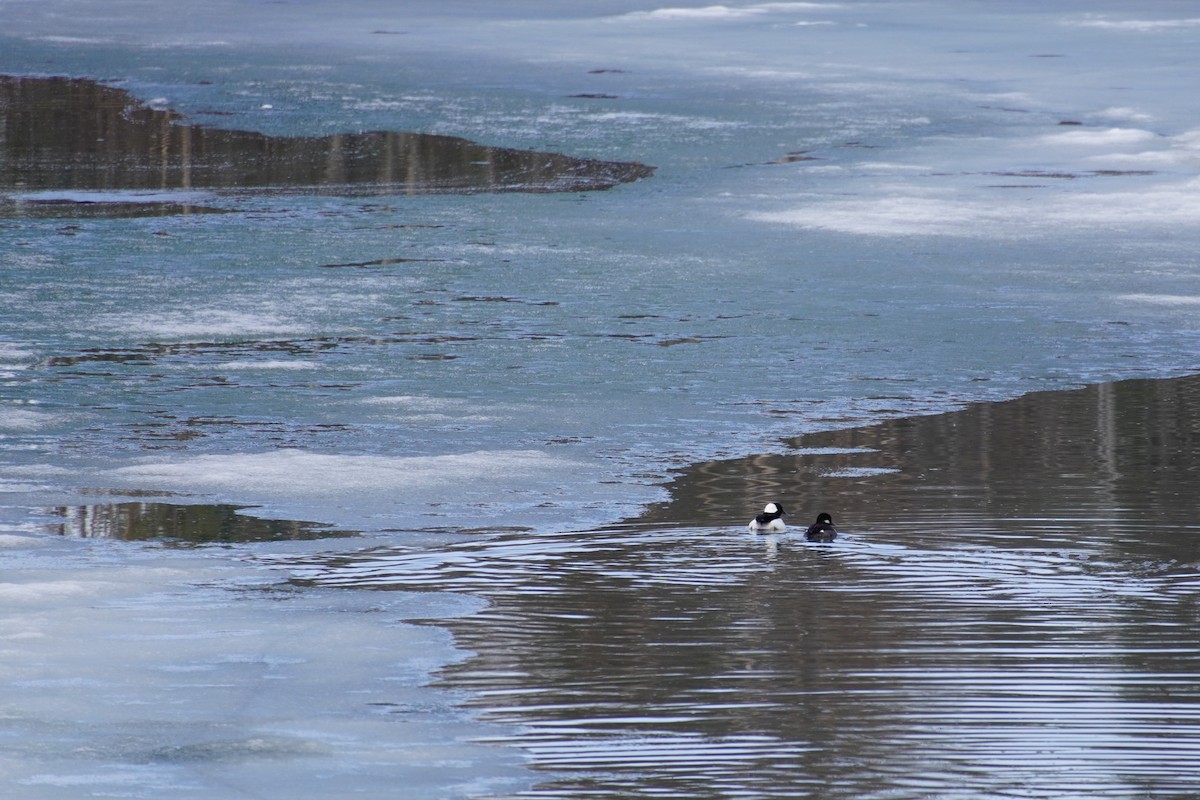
point(135, 672)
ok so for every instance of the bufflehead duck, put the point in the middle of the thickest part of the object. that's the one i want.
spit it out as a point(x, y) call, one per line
point(822, 530)
point(769, 520)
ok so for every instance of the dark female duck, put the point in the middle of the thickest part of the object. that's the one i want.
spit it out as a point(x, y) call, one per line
point(822, 530)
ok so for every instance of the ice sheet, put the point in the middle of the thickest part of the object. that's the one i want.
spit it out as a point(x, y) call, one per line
point(139, 672)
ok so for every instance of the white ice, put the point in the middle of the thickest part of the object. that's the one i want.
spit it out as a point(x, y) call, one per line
point(146, 673)
point(465, 490)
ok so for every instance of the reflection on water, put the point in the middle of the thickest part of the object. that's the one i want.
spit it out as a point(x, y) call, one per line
point(79, 207)
point(1011, 613)
point(193, 524)
point(77, 134)
point(1124, 455)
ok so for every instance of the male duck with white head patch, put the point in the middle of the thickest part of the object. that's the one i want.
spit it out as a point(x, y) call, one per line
point(770, 520)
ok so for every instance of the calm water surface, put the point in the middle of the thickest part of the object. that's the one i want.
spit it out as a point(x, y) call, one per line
point(1009, 612)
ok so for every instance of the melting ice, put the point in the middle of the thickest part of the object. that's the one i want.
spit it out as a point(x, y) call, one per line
point(860, 210)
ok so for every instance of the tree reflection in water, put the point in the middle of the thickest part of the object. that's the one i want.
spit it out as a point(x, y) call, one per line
point(77, 134)
point(180, 523)
point(1011, 612)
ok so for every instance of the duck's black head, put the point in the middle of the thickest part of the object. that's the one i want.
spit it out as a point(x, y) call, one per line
point(824, 519)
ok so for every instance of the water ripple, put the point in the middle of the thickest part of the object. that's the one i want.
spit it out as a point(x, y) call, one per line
point(1017, 658)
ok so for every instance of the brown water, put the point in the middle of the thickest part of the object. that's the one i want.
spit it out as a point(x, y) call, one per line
point(1011, 611)
point(177, 522)
point(77, 134)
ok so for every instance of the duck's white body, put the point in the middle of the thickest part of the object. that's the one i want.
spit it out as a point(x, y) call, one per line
point(770, 521)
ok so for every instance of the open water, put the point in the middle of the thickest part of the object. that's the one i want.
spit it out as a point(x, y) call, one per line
point(560, 377)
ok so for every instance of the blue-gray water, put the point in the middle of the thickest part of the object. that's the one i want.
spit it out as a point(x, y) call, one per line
point(859, 212)
point(1008, 610)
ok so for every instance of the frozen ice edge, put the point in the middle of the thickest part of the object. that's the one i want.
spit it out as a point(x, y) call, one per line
point(207, 675)
point(474, 490)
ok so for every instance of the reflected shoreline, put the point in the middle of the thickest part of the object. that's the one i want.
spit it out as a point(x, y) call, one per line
point(184, 524)
point(79, 135)
point(1014, 579)
point(1121, 450)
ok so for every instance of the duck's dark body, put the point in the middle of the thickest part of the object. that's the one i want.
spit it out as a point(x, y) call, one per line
point(822, 530)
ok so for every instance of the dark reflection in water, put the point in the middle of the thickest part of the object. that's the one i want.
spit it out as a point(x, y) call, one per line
point(192, 524)
point(1125, 453)
point(67, 133)
point(40, 208)
point(1012, 612)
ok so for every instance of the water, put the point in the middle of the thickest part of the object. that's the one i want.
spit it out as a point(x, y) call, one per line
point(858, 213)
point(77, 134)
point(997, 618)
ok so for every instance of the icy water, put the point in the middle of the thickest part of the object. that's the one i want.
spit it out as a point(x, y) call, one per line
point(838, 214)
point(1009, 611)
